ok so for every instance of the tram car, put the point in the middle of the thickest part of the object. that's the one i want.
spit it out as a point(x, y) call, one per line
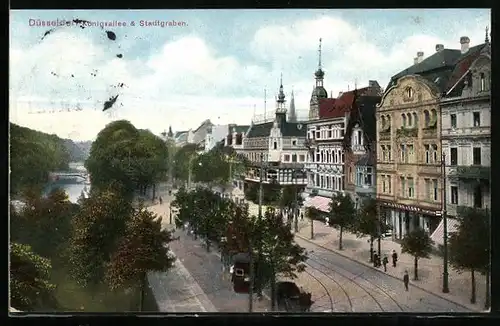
point(240, 276)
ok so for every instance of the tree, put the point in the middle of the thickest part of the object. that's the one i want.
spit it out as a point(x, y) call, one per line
point(182, 157)
point(417, 243)
point(287, 200)
point(96, 230)
point(134, 158)
point(143, 248)
point(469, 247)
point(29, 278)
point(367, 222)
point(279, 255)
point(342, 213)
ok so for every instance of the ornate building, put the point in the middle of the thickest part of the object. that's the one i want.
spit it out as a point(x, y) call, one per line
point(466, 131)
point(319, 92)
point(282, 144)
point(409, 183)
point(360, 141)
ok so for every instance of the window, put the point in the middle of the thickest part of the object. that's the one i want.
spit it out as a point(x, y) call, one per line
point(318, 135)
point(403, 153)
point(329, 134)
point(435, 189)
point(410, 154)
point(383, 123)
point(286, 158)
point(434, 153)
point(478, 197)
point(302, 158)
point(389, 184)
point(294, 157)
point(483, 86)
point(275, 145)
point(336, 159)
point(389, 152)
point(317, 180)
point(318, 157)
point(294, 143)
point(477, 119)
point(341, 133)
point(408, 116)
point(453, 121)
point(382, 150)
point(427, 118)
point(342, 158)
point(409, 92)
point(368, 177)
point(359, 181)
point(327, 182)
point(411, 189)
point(403, 187)
point(454, 195)
point(453, 156)
point(427, 154)
point(415, 120)
point(427, 188)
point(360, 138)
point(403, 120)
point(476, 155)
point(383, 184)
point(322, 183)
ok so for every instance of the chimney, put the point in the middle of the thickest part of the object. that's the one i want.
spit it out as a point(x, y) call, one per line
point(464, 42)
point(415, 60)
point(439, 47)
point(420, 56)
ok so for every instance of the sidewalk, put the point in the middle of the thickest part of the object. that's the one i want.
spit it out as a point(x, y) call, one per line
point(429, 270)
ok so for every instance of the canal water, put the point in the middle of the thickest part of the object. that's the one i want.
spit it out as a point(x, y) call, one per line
point(72, 188)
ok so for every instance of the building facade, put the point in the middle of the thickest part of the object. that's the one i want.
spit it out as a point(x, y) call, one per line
point(360, 142)
point(466, 133)
point(282, 145)
point(235, 136)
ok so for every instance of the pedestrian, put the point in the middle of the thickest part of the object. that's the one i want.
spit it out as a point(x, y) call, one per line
point(327, 221)
point(161, 200)
point(385, 261)
point(406, 280)
point(301, 216)
point(378, 261)
point(375, 260)
point(394, 258)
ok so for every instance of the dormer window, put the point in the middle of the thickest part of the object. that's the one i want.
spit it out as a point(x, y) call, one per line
point(275, 145)
point(483, 82)
point(409, 92)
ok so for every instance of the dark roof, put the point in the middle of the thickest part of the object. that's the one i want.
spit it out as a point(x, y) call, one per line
point(328, 109)
point(240, 128)
point(366, 160)
point(204, 123)
point(436, 68)
point(462, 66)
point(260, 130)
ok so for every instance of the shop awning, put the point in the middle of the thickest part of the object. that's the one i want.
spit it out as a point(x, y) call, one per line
point(452, 226)
point(318, 202)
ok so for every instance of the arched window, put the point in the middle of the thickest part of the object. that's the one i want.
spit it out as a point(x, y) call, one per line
point(415, 119)
point(383, 122)
point(427, 118)
point(483, 82)
point(403, 120)
point(409, 92)
point(433, 117)
point(388, 122)
point(408, 116)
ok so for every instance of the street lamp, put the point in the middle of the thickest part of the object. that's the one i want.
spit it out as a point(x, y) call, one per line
point(445, 226)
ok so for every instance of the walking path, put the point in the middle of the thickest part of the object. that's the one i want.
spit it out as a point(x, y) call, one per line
point(429, 270)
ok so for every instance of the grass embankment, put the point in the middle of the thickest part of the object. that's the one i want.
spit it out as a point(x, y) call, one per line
point(71, 297)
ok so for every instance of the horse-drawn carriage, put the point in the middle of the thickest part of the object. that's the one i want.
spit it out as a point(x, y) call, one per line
point(292, 298)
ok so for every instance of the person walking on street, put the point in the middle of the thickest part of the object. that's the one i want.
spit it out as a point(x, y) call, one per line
point(375, 260)
point(406, 280)
point(161, 200)
point(385, 261)
point(394, 258)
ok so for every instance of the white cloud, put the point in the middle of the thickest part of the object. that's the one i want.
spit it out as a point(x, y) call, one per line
point(187, 81)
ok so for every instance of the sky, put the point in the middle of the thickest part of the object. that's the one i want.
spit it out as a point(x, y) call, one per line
point(215, 64)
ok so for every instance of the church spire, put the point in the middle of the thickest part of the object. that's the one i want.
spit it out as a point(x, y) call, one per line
point(281, 95)
point(487, 39)
point(170, 132)
point(319, 73)
point(319, 55)
point(292, 115)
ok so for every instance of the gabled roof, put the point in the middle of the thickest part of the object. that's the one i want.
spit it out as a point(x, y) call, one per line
point(260, 130)
point(462, 66)
point(362, 112)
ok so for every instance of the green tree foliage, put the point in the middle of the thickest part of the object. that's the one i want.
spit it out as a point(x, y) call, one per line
point(367, 222)
point(96, 230)
point(342, 213)
point(143, 248)
point(417, 243)
point(251, 191)
point(469, 247)
point(44, 223)
point(121, 153)
point(181, 161)
point(29, 278)
point(33, 155)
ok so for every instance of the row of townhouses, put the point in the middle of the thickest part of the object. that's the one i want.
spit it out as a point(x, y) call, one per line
point(387, 145)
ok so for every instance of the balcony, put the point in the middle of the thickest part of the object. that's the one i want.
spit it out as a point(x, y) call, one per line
point(429, 169)
point(405, 132)
point(385, 135)
point(483, 131)
point(429, 133)
point(472, 172)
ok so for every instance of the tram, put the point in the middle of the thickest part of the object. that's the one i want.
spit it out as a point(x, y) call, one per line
point(240, 276)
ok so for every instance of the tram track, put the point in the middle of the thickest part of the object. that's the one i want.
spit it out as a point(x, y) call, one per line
point(314, 258)
point(327, 293)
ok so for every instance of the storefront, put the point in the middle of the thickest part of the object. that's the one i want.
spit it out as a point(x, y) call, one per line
point(406, 218)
